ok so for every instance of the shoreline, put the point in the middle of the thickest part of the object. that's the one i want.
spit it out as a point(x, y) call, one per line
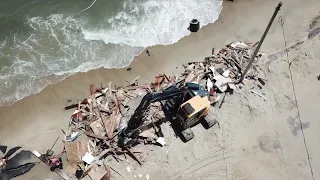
point(165, 57)
point(121, 57)
point(36, 121)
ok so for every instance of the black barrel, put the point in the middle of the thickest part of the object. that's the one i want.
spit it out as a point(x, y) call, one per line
point(194, 25)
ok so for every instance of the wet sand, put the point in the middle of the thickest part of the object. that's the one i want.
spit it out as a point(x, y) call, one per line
point(36, 121)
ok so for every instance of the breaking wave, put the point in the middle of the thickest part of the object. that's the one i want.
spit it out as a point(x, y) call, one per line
point(60, 45)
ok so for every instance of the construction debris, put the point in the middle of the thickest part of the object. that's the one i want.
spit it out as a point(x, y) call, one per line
point(98, 119)
point(77, 149)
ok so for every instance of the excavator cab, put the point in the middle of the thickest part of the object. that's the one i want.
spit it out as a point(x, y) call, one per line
point(194, 109)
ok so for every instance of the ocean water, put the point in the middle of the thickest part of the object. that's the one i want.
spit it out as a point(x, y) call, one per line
point(44, 41)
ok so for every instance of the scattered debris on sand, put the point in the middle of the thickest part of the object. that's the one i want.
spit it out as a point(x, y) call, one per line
point(98, 121)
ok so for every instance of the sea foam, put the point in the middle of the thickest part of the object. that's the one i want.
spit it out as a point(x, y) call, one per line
point(60, 45)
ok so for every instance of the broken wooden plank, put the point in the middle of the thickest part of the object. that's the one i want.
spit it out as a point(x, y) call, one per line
point(76, 149)
point(190, 77)
point(116, 101)
point(135, 79)
point(97, 127)
point(103, 119)
point(111, 124)
point(109, 86)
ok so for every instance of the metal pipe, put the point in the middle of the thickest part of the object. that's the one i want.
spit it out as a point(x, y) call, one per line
point(261, 41)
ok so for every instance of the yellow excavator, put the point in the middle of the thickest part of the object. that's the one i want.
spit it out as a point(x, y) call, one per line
point(187, 103)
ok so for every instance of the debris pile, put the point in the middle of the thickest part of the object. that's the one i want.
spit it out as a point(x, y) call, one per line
point(99, 119)
point(221, 72)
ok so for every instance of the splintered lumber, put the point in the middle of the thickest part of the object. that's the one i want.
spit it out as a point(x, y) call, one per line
point(90, 134)
point(109, 86)
point(104, 120)
point(76, 149)
point(97, 127)
point(106, 109)
point(118, 104)
point(111, 124)
point(133, 81)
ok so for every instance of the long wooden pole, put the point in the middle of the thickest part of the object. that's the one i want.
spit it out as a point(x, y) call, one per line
point(260, 43)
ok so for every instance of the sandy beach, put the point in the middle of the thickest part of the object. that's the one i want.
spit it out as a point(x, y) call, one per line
point(264, 145)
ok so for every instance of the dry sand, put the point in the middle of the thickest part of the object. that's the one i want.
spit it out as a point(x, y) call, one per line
point(258, 140)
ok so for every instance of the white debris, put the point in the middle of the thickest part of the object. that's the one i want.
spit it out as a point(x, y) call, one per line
point(209, 84)
point(240, 45)
point(212, 69)
point(217, 77)
point(161, 141)
point(226, 73)
point(191, 66)
point(128, 169)
point(88, 158)
point(232, 86)
point(36, 153)
point(104, 90)
point(222, 83)
point(72, 137)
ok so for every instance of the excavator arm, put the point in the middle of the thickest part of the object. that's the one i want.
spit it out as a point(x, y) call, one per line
point(136, 119)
